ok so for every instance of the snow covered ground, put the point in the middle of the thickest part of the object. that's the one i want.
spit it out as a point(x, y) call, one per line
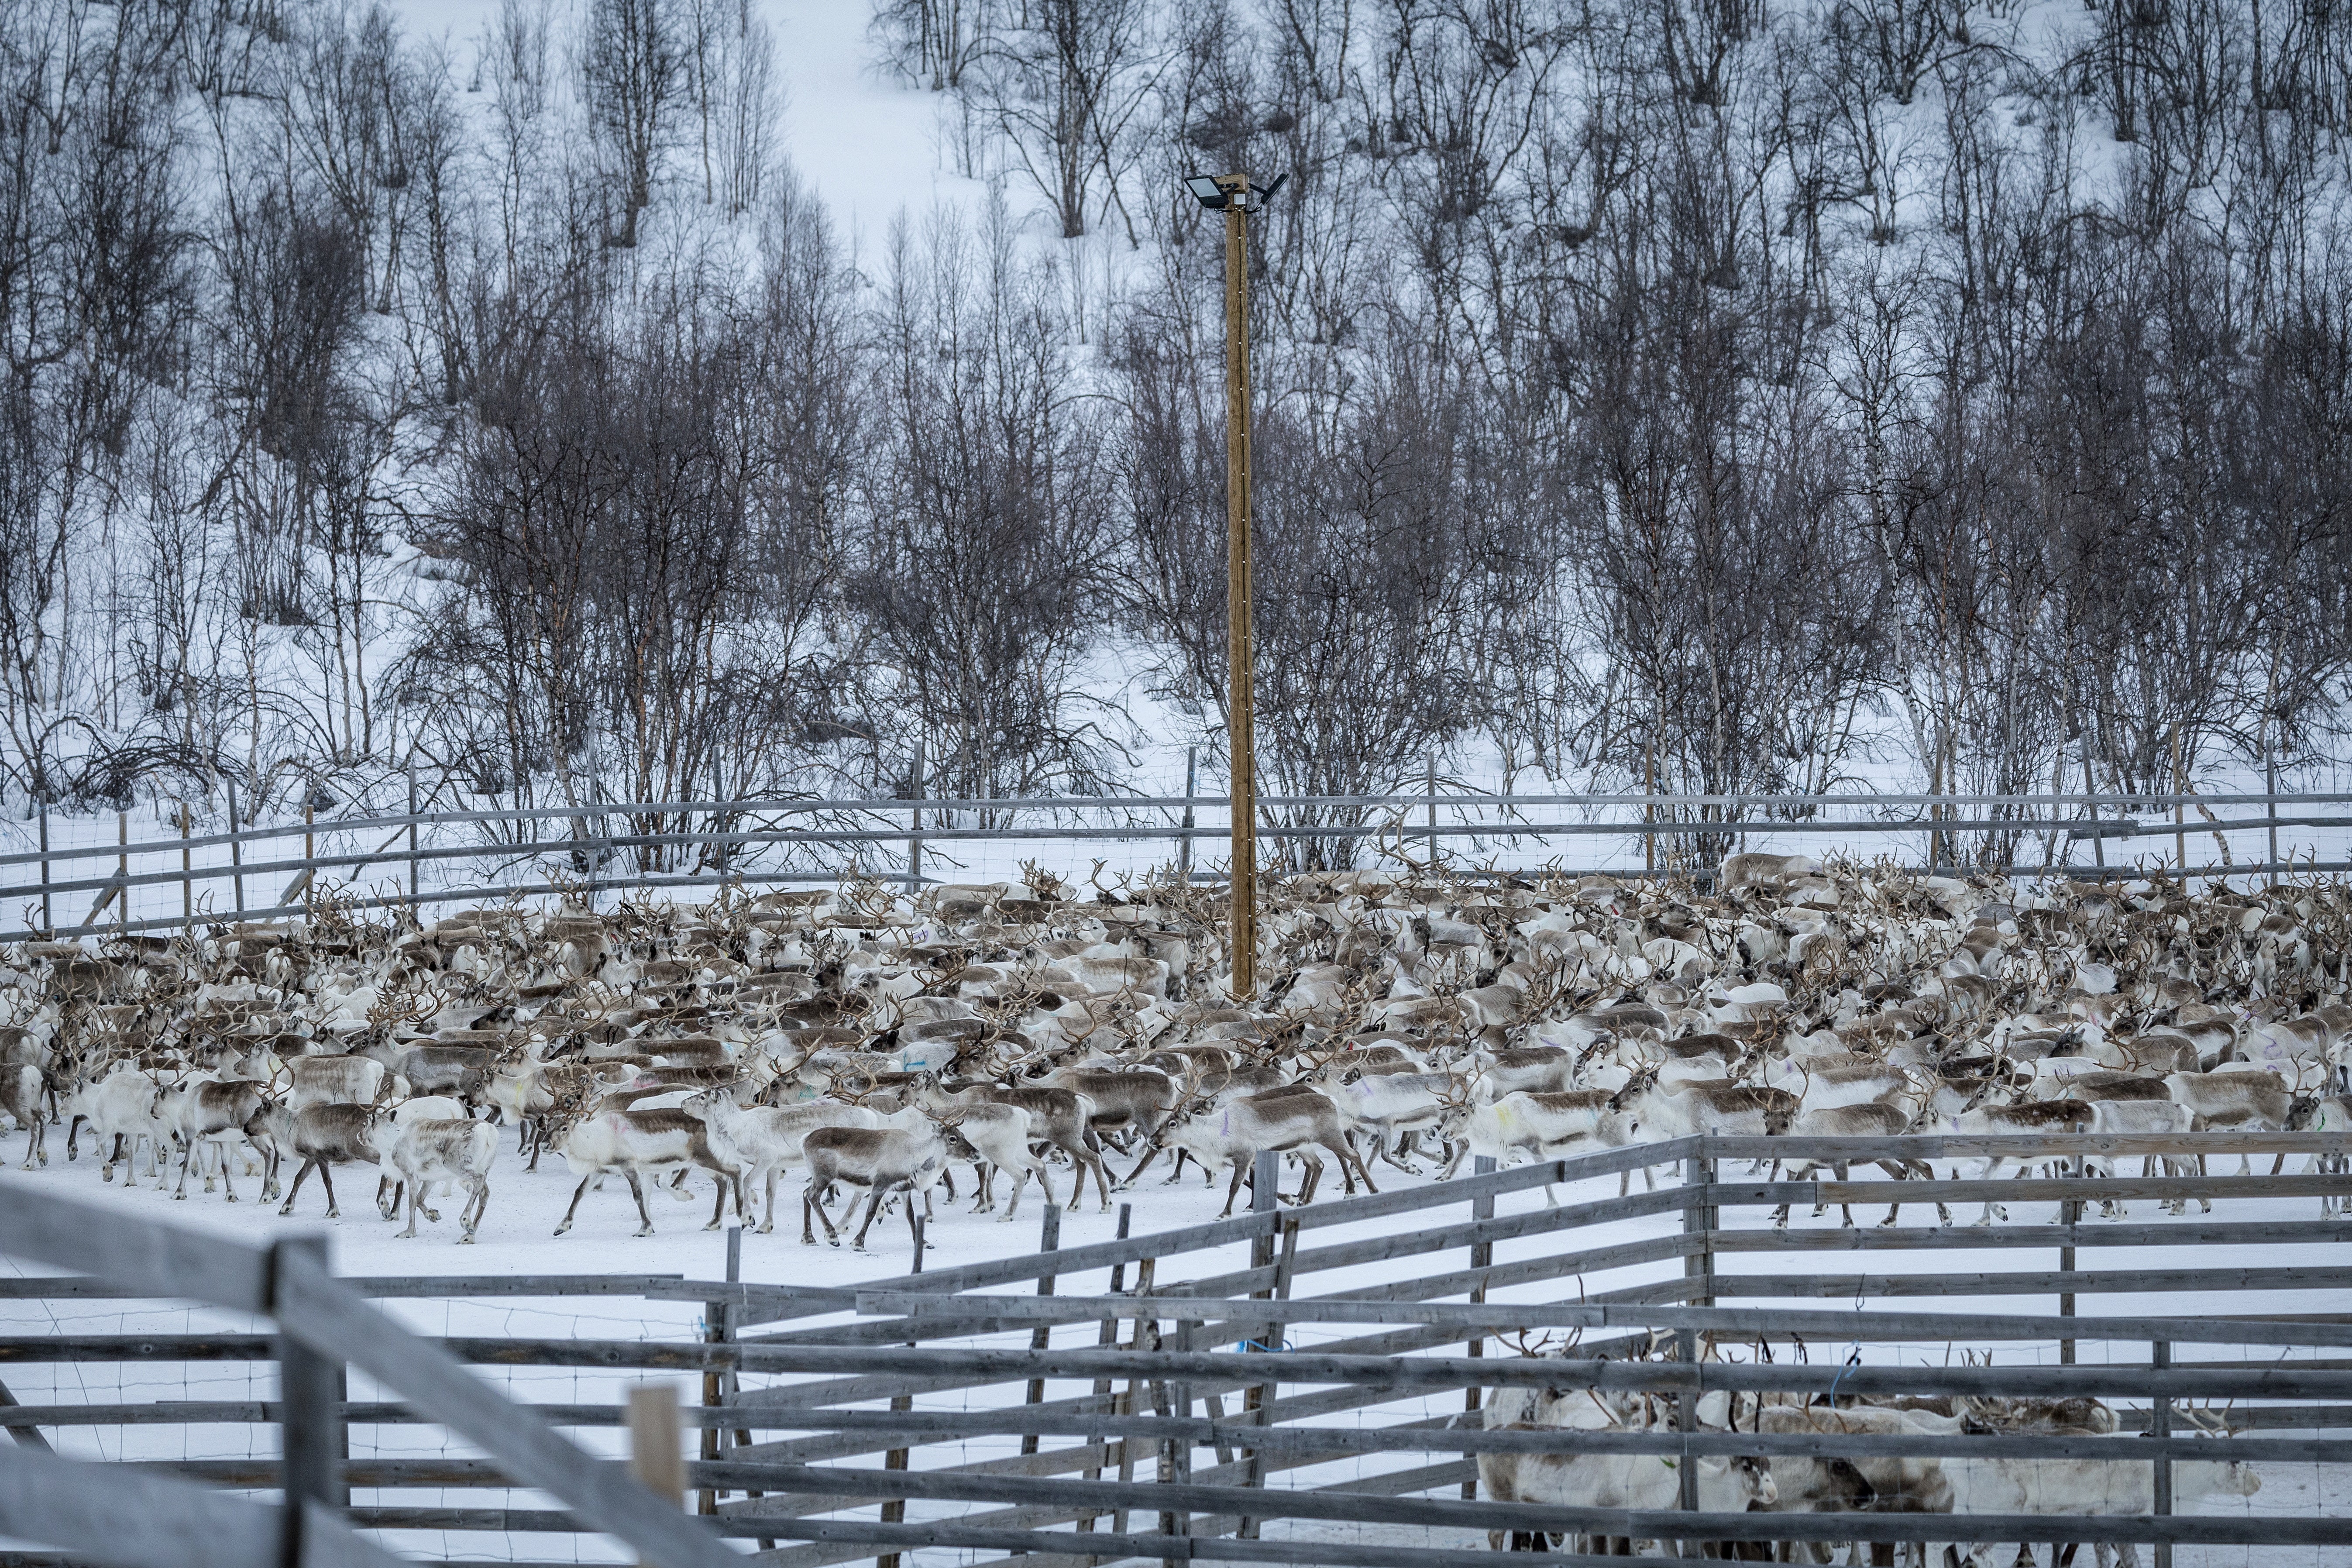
point(524, 1209)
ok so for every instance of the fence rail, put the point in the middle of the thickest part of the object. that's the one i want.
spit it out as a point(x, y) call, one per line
point(784, 842)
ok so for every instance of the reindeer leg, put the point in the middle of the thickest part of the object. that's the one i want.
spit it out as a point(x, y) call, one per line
point(480, 1207)
point(873, 1209)
point(296, 1191)
point(638, 1190)
point(228, 1185)
point(327, 1180)
point(413, 1206)
point(1234, 1190)
point(719, 1204)
point(915, 1233)
point(577, 1193)
point(1313, 1179)
point(768, 1219)
point(1102, 1183)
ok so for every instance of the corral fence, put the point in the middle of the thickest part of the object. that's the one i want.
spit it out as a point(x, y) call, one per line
point(1288, 1385)
point(160, 882)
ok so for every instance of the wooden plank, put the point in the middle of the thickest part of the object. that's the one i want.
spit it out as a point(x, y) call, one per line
point(2129, 1281)
point(127, 1515)
point(1051, 1549)
point(1437, 1438)
point(2033, 1146)
point(1013, 1311)
point(1357, 1506)
point(2177, 1233)
point(1226, 1369)
point(2084, 1189)
point(65, 1233)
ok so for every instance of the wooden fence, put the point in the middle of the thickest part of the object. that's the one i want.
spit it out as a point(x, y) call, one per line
point(1270, 1387)
point(382, 861)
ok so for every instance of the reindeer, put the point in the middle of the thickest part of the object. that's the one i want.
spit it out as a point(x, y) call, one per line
point(632, 1142)
point(446, 1149)
point(1235, 1134)
point(764, 1140)
point(883, 1161)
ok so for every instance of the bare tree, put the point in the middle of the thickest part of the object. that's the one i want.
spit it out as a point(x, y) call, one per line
point(634, 70)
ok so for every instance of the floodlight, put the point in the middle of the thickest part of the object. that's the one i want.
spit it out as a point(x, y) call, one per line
point(1211, 193)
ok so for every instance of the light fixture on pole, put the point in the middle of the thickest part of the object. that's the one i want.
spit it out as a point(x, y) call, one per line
point(1234, 196)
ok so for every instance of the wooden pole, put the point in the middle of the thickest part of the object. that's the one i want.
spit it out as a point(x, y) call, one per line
point(411, 840)
point(309, 856)
point(2180, 808)
point(1650, 811)
point(1429, 794)
point(312, 1440)
point(2159, 1409)
point(656, 1453)
point(187, 882)
point(1240, 646)
point(48, 919)
point(1041, 1337)
point(2270, 797)
point(1482, 1256)
point(1192, 782)
point(2069, 1215)
point(717, 1328)
point(2099, 844)
point(236, 851)
point(915, 827)
point(894, 1512)
point(122, 872)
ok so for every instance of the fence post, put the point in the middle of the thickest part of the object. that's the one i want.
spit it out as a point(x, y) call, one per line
point(2161, 1428)
point(1650, 809)
point(2270, 800)
point(236, 851)
point(48, 919)
point(1192, 782)
point(1146, 1269)
point(312, 1441)
point(1107, 1338)
point(1049, 1239)
point(1699, 1221)
point(1178, 1466)
point(122, 872)
point(718, 814)
point(656, 1454)
point(412, 834)
point(894, 1511)
point(914, 827)
point(2091, 804)
point(2179, 809)
point(309, 853)
point(1265, 1180)
point(1482, 1256)
point(2069, 1215)
point(188, 879)
point(719, 1328)
point(1429, 793)
point(1686, 1421)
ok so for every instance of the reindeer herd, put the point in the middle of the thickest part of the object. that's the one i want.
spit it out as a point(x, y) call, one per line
point(876, 1045)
